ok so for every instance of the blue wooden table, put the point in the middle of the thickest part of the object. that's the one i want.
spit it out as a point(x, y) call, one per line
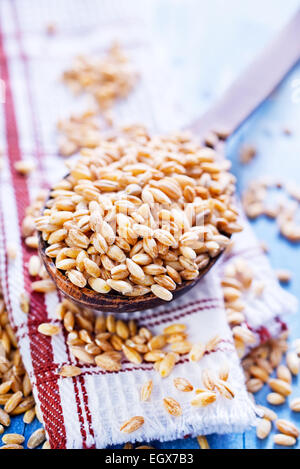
point(207, 46)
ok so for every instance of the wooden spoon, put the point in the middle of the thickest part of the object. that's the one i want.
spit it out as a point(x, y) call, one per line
point(238, 103)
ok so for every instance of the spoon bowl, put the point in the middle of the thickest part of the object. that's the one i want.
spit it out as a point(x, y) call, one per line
point(110, 302)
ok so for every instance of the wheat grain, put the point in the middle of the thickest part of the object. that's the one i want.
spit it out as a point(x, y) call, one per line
point(5, 387)
point(268, 413)
point(167, 365)
point(36, 439)
point(122, 329)
point(144, 447)
point(154, 356)
point(11, 251)
point(254, 385)
point(128, 446)
point(224, 371)
point(225, 389)
point(132, 424)
point(182, 384)
point(4, 417)
point(13, 402)
point(284, 276)
point(263, 428)
point(183, 347)
point(13, 439)
point(46, 445)
point(29, 416)
point(69, 371)
point(284, 440)
point(157, 342)
point(24, 167)
point(99, 285)
point(172, 406)
point(293, 362)
point(202, 441)
point(12, 446)
point(27, 388)
point(295, 404)
point(196, 353)
point(43, 286)
point(146, 390)
point(24, 303)
point(120, 286)
point(76, 278)
point(82, 355)
point(48, 329)
point(209, 379)
point(174, 328)
point(204, 398)
point(280, 386)
point(110, 361)
point(161, 292)
point(132, 355)
point(284, 373)
point(259, 373)
point(275, 398)
point(286, 427)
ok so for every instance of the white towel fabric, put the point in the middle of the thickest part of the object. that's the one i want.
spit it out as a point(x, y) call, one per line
point(88, 411)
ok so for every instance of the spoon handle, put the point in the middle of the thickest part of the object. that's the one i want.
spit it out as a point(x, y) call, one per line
point(255, 84)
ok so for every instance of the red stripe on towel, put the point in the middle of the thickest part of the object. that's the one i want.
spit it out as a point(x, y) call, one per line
point(40, 346)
